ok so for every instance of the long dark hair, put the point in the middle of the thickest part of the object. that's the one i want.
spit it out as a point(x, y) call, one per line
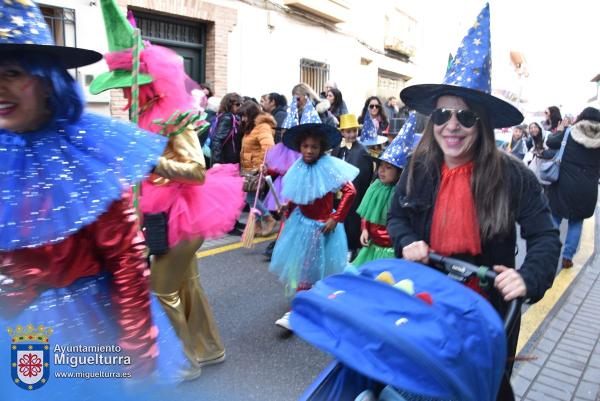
point(490, 185)
point(538, 140)
point(554, 117)
point(380, 113)
point(336, 106)
point(251, 110)
point(228, 101)
point(277, 98)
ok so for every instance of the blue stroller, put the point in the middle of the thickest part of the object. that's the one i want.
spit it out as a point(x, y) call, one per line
point(396, 344)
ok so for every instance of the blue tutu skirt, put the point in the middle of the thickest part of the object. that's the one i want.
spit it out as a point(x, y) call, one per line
point(82, 315)
point(303, 254)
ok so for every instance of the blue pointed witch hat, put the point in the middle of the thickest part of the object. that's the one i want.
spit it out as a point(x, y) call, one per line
point(23, 28)
point(309, 114)
point(368, 135)
point(468, 77)
point(397, 152)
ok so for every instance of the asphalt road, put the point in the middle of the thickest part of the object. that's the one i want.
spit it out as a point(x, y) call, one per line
point(263, 361)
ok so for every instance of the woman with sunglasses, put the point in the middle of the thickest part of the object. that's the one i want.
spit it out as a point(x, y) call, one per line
point(373, 109)
point(460, 196)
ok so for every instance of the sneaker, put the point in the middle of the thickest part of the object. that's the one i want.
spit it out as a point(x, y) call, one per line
point(567, 263)
point(269, 251)
point(284, 321)
point(192, 372)
point(212, 361)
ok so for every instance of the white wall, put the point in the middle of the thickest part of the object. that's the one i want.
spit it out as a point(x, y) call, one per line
point(263, 60)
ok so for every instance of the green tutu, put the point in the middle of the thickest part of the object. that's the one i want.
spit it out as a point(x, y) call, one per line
point(373, 252)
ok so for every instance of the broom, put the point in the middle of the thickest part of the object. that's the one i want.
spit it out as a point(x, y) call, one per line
point(248, 234)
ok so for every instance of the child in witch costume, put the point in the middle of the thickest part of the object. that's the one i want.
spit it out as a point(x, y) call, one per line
point(375, 205)
point(312, 245)
point(280, 158)
point(71, 254)
point(181, 187)
point(356, 154)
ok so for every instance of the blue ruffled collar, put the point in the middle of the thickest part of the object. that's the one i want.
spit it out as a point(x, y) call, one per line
point(56, 180)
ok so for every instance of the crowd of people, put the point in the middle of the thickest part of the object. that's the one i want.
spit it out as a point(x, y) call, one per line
point(346, 189)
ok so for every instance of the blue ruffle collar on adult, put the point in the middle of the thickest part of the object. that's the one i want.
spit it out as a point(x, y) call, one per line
point(56, 180)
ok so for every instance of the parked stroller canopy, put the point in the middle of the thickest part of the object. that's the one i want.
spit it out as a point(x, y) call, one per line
point(452, 349)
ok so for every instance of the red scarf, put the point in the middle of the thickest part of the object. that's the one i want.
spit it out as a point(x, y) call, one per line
point(455, 227)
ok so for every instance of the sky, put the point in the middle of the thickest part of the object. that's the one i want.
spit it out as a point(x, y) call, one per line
point(559, 40)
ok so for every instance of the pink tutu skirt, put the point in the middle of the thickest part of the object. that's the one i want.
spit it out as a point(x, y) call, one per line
point(280, 158)
point(209, 210)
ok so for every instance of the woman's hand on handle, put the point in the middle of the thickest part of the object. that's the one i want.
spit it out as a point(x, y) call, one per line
point(418, 251)
point(509, 283)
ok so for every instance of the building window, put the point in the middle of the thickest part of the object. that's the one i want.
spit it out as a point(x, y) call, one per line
point(61, 22)
point(390, 84)
point(314, 73)
point(186, 37)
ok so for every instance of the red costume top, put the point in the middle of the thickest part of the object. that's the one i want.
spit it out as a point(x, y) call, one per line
point(378, 234)
point(113, 242)
point(321, 209)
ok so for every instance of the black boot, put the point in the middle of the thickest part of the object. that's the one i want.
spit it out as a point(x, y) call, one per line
point(269, 250)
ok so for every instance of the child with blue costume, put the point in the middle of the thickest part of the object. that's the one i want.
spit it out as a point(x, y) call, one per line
point(312, 245)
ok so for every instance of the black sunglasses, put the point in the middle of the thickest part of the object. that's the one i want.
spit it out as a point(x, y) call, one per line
point(374, 106)
point(466, 118)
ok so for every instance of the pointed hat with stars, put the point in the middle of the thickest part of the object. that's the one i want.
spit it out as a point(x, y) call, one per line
point(397, 152)
point(23, 28)
point(468, 77)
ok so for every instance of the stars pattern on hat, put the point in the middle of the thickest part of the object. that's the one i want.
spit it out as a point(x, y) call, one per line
point(397, 151)
point(21, 22)
point(18, 20)
point(473, 62)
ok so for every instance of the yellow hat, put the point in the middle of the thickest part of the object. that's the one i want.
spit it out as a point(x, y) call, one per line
point(348, 121)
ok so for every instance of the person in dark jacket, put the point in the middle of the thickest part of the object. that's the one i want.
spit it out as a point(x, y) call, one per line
point(336, 100)
point(276, 104)
point(353, 152)
point(226, 138)
point(462, 197)
point(574, 195)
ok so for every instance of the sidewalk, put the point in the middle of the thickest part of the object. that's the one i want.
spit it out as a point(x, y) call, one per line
point(567, 344)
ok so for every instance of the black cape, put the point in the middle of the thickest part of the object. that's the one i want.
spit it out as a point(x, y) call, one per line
point(359, 157)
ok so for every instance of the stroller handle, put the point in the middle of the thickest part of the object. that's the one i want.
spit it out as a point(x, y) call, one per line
point(466, 269)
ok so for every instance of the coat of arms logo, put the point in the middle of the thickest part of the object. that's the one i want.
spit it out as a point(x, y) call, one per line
point(30, 356)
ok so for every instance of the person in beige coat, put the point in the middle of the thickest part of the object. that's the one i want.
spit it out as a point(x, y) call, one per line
point(258, 136)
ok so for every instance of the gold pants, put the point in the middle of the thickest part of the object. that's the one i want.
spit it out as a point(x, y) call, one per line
point(175, 282)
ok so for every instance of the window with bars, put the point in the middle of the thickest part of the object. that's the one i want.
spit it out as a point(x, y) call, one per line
point(314, 73)
point(61, 22)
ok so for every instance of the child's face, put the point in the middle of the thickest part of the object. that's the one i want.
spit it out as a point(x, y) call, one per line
point(350, 134)
point(310, 149)
point(387, 173)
